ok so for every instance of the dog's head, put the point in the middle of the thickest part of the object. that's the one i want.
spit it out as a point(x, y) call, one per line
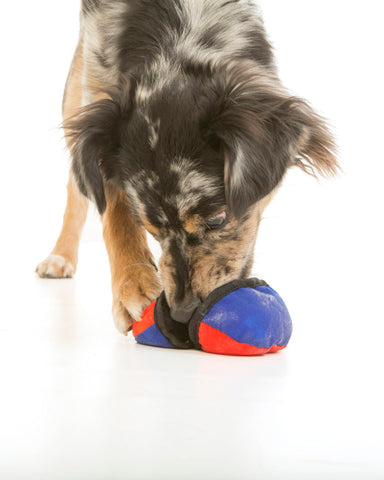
point(199, 159)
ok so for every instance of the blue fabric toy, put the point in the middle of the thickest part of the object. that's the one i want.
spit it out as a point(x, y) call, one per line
point(243, 317)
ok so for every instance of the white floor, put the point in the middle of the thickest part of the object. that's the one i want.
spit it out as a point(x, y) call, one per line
point(80, 402)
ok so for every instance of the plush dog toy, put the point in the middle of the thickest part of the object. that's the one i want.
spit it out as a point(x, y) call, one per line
point(244, 317)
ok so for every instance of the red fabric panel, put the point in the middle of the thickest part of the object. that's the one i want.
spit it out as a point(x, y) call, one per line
point(147, 319)
point(214, 341)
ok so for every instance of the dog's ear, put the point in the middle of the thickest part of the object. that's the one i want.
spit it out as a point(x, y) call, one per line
point(262, 130)
point(93, 136)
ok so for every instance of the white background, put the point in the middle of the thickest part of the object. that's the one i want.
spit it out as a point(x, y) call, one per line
point(80, 401)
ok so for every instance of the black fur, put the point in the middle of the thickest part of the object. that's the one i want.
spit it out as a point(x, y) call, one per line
point(262, 131)
point(191, 130)
point(152, 26)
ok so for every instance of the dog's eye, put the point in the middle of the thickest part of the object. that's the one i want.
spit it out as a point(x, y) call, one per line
point(218, 221)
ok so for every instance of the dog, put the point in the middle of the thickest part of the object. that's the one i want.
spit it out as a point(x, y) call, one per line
point(177, 125)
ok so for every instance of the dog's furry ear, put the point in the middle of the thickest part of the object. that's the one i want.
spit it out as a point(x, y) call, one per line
point(93, 137)
point(262, 130)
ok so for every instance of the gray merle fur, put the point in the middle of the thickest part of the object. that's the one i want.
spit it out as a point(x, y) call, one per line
point(196, 122)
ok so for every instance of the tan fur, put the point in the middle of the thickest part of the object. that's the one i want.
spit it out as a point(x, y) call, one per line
point(62, 262)
point(224, 254)
point(151, 228)
point(196, 223)
point(193, 224)
point(237, 254)
point(233, 252)
point(72, 98)
point(135, 282)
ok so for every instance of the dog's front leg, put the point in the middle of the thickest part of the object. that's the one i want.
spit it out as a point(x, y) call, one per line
point(135, 282)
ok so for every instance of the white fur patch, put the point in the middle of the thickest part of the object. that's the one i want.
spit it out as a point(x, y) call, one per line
point(193, 185)
point(100, 32)
point(121, 318)
point(202, 16)
point(125, 314)
point(55, 266)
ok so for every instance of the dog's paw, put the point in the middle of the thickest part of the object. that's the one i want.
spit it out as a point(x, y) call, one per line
point(55, 266)
point(139, 287)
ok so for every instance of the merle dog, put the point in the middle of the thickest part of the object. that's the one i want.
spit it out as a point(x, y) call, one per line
point(177, 124)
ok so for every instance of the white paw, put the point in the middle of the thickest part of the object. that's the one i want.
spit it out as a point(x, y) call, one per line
point(55, 266)
point(132, 294)
point(122, 319)
point(126, 312)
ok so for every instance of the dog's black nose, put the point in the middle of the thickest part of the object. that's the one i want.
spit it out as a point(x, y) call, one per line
point(184, 313)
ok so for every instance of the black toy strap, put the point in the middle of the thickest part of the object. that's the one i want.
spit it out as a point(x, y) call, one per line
point(186, 336)
point(176, 333)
